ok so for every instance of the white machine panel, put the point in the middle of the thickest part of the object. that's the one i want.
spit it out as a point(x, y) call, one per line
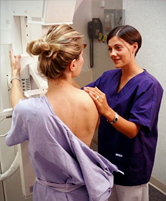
point(28, 8)
point(55, 12)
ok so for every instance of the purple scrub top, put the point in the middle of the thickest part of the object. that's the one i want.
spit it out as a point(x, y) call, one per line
point(138, 101)
point(66, 168)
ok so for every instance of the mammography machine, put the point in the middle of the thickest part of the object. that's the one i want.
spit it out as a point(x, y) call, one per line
point(21, 22)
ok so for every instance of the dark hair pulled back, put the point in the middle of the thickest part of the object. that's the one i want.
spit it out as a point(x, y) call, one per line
point(128, 34)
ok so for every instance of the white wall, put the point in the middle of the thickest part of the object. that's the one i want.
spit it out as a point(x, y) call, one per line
point(149, 17)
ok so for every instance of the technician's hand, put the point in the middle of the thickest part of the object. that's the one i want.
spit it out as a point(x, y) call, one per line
point(99, 98)
point(15, 64)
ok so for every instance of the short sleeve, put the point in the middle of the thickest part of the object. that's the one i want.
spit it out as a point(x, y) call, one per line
point(146, 106)
point(18, 131)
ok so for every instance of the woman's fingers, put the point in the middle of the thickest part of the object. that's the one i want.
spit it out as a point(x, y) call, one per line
point(14, 60)
point(99, 99)
point(94, 91)
point(96, 95)
point(15, 64)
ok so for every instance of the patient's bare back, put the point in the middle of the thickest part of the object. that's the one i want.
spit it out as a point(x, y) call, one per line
point(78, 111)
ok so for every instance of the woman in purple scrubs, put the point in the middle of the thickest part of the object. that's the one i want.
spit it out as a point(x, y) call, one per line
point(128, 99)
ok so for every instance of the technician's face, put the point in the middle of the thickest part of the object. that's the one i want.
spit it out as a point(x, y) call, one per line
point(120, 52)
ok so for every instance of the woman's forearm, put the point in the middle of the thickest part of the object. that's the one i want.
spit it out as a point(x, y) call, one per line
point(128, 128)
point(16, 88)
point(16, 92)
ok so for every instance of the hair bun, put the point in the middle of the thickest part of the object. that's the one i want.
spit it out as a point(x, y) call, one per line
point(56, 50)
point(50, 51)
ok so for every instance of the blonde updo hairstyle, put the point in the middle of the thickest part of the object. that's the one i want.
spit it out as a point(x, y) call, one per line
point(56, 50)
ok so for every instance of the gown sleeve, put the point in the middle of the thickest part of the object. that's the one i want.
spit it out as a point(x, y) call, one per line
point(18, 131)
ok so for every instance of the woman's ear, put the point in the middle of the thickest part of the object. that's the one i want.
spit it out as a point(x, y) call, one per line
point(72, 65)
point(135, 47)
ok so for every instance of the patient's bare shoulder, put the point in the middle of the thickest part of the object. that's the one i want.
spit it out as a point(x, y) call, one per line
point(86, 100)
point(87, 106)
point(87, 117)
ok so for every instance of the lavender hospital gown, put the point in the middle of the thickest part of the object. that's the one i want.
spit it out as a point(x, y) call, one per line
point(66, 169)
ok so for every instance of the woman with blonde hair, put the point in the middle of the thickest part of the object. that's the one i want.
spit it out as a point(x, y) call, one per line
point(59, 125)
